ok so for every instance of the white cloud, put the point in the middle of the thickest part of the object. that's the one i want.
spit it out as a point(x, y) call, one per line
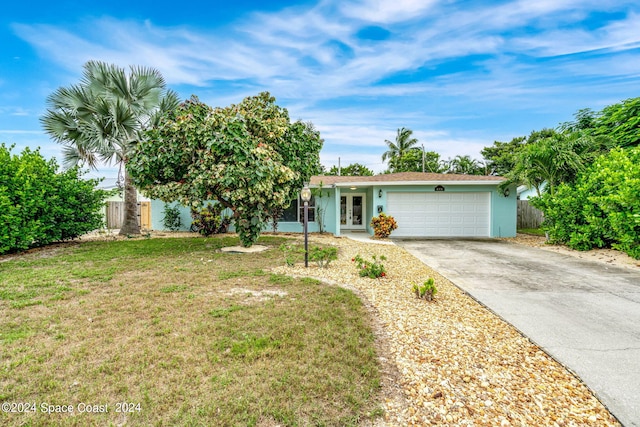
point(384, 11)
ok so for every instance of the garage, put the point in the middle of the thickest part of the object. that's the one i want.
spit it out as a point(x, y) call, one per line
point(440, 214)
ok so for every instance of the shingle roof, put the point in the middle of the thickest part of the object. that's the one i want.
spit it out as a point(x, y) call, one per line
point(404, 177)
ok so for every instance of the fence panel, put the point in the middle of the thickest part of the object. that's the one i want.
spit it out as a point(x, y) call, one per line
point(528, 216)
point(115, 215)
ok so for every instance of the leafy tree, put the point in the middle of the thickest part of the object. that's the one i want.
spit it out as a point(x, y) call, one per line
point(354, 169)
point(465, 165)
point(248, 157)
point(412, 161)
point(403, 143)
point(104, 116)
point(554, 160)
point(500, 158)
point(601, 208)
point(621, 122)
point(39, 205)
point(585, 119)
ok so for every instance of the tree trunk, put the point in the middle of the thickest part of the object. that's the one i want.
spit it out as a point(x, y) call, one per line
point(130, 224)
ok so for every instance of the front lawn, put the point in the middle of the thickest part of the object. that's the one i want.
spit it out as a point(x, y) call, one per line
point(181, 333)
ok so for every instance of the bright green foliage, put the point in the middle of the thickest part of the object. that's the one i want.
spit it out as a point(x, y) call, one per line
point(354, 169)
point(171, 219)
point(411, 161)
point(621, 122)
point(403, 143)
point(501, 158)
point(601, 209)
point(555, 159)
point(425, 291)
point(323, 256)
point(39, 206)
point(465, 165)
point(373, 269)
point(249, 157)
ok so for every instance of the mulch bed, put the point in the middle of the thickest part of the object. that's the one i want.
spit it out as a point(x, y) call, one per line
point(451, 361)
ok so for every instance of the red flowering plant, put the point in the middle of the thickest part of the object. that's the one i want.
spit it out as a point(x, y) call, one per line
point(373, 269)
point(383, 225)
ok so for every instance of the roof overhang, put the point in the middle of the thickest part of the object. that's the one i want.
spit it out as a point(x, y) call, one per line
point(409, 183)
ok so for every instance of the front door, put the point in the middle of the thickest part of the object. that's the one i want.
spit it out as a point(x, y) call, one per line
point(352, 211)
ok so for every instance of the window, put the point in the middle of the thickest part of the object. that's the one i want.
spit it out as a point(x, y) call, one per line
point(295, 211)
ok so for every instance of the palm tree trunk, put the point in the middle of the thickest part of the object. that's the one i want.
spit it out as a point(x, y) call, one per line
point(130, 224)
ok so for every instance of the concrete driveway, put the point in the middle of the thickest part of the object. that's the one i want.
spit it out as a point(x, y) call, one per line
point(585, 314)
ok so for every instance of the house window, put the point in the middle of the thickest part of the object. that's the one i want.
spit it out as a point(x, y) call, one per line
point(295, 211)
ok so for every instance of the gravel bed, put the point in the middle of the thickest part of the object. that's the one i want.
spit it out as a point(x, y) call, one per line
point(452, 361)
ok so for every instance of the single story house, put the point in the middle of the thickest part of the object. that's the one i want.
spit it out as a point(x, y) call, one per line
point(423, 205)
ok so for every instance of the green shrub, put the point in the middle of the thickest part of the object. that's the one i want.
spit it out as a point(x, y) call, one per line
point(602, 208)
point(208, 220)
point(171, 219)
point(39, 205)
point(425, 291)
point(372, 269)
point(323, 256)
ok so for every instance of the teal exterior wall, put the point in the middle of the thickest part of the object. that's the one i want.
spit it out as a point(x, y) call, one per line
point(503, 209)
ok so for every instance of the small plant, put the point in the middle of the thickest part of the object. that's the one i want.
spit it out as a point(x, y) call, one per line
point(209, 220)
point(323, 256)
point(292, 253)
point(373, 269)
point(171, 218)
point(383, 225)
point(425, 291)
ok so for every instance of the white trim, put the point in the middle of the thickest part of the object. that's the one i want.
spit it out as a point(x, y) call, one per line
point(399, 183)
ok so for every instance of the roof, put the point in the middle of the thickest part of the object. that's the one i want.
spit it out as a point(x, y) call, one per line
point(404, 178)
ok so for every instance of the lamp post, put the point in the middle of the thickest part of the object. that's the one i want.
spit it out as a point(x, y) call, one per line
point(305, 195)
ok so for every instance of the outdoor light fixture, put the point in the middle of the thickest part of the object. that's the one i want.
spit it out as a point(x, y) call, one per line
point(506, 192)
point(305, 195)
point(380, 193)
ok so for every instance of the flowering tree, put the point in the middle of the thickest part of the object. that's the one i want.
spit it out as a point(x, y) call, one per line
point(249, 157)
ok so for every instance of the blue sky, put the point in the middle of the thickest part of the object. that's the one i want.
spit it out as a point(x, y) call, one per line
point(460, 74)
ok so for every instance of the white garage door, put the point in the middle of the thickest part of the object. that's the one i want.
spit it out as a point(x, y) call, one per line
point(440, 214)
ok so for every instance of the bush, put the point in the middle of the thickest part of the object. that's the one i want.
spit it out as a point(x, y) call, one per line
point(39, 205)
point(602, 208)
point(383, 225)
point(372, 269)
point(425, 291)
point(323, 256)
point(171, 218)
point(208, 220)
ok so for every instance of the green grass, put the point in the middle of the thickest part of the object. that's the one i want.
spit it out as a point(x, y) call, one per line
point(194, 335)
point(534, 231)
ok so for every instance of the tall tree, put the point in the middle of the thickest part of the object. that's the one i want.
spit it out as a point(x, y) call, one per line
point(248, 157)
point(621, 122)
point(466, 165)
point(501, 157)
point(403, 143)
point(354, 169)
point(101, 118)
point(556, 159)
point(412, 161)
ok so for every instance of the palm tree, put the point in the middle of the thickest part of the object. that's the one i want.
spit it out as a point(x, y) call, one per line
point(102, 117)
point(404, 142)
point(465, 165)
point(556, 159)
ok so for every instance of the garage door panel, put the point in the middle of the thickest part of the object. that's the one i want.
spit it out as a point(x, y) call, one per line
point(440, 214)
